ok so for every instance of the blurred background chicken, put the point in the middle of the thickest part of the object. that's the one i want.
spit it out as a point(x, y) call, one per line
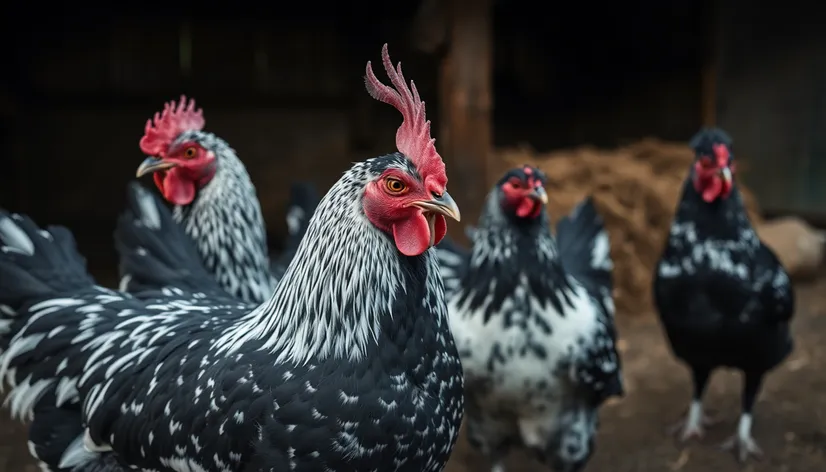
point(723, 297)
point(533, 320)
point(215, 200)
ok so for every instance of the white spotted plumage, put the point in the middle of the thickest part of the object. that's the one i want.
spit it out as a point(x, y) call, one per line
point(174, 380)
point(532, 337)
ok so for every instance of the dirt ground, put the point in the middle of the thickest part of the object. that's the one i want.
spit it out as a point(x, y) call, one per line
point(790, 422)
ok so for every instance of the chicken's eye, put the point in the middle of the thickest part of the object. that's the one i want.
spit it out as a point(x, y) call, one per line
point(190, 152)
point(395, 185)
point(516, 183)
point(706, 162)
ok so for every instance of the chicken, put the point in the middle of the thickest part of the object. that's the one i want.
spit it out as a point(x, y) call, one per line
point(214, 199)
point(723, 298)
point(533, 320)
point(348, 366)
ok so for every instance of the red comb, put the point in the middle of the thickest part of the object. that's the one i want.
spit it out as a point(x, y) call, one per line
point(413, 137)
point(167, 125)
point(721, 153)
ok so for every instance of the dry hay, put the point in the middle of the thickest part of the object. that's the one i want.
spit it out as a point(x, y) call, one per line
point(636, 189)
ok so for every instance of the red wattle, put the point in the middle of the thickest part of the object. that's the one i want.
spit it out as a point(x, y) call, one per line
point(440, 228)
point(412, 236)
point(712, 189)
point(178, 189)
point(528, 208)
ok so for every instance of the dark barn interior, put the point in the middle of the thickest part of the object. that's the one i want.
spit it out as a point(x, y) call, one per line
point(285, 89)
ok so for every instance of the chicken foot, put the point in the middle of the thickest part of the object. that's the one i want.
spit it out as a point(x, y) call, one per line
point(695, 421)
point(742, 442)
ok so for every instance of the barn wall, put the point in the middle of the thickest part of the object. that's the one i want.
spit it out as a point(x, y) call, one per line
point(773, 101)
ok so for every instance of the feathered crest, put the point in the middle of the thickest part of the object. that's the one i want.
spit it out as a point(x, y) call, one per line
point(413, 137)
point(167, 125)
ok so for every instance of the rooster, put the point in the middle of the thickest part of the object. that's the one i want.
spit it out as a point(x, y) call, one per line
point(533, 321)
point(214, 199)
point(723, 297)
point(348, 366)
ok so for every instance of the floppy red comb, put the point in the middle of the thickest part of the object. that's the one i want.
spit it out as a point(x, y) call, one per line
point(413, 137)
point(168, 124)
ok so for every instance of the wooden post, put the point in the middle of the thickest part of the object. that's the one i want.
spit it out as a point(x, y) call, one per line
point(465, 134)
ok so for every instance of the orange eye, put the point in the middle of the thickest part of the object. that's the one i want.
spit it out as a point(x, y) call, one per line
point(190, 152)
point(395, 185)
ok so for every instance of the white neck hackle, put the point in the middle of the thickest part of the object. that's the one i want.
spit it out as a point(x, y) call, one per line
point(343, 280)
point(225, 209)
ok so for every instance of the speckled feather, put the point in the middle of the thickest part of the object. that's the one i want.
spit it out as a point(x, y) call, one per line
point(534, 326)
point(326, 375)
point(227, 225)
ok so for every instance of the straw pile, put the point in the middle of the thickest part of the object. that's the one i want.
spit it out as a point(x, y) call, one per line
point(636, 189)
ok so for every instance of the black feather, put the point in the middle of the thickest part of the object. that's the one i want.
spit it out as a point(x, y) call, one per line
point(576, 237)
point(154, 250)
point(54, 267)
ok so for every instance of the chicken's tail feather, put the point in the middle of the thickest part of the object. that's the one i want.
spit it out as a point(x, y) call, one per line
point(36, 263)
point(584, 246)
point(153, 248)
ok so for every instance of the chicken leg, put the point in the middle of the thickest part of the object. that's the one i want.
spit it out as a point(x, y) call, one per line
point(692, 426)
point(742, 442)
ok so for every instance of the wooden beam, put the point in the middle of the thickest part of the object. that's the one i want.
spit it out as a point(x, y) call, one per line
point(466, 82)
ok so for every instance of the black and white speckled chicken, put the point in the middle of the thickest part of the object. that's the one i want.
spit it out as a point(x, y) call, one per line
point(723, 297)
point(214, 199)
point(349, 366)
point(533, 318)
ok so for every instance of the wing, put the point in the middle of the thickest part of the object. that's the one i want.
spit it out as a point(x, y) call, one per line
point(776, 298)
point(598, 370)
point(84, 338)
point(585, 251)
point(78, 353)
point(94, 350)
